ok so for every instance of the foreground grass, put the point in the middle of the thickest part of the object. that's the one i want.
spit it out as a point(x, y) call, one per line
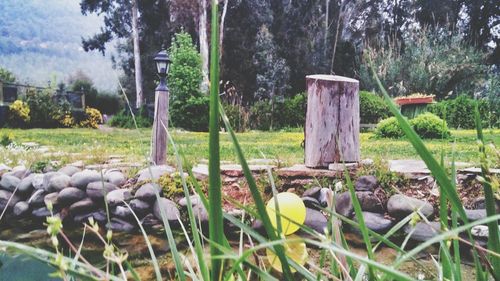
point(96, 145)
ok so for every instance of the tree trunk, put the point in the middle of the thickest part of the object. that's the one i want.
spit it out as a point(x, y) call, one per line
point(137, 57)
point(221, 33)
point(203, 38)
point(332, 121)
point(160, 125)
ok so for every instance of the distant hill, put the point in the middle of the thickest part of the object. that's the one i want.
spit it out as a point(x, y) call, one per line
point(41, 39)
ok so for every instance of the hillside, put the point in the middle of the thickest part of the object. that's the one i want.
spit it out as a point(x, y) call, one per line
point(40, 40)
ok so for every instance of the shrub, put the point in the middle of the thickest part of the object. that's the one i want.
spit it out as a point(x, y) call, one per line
point(293, 111)
point(19, 114)
point(428, 125)
point(92, 118)
point(42, 109)
point(372, 108)
point(188, 106)
point(389, 128)
point(192, 114)
point(124, 119)
point(260, 115)
point(238, 117)
point(459, 112)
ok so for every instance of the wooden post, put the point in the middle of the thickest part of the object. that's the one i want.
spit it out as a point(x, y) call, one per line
point(331, 131)
point(160, 124)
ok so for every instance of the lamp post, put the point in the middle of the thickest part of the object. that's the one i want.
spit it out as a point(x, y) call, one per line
point(160, 124)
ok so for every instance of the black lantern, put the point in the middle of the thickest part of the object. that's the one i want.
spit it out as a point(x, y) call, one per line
point(162, 63)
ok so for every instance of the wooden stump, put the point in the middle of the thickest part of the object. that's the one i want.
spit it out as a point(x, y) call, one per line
point(331, 131)
point(159, 136)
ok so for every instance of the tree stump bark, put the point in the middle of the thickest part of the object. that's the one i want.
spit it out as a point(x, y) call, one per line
point(331, 131)
point(160, 125)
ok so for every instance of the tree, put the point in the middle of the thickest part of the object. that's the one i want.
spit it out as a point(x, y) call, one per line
point(154, 28)
point(188, 106)
point(272, 71)
point(137, 56)
point(7, 76)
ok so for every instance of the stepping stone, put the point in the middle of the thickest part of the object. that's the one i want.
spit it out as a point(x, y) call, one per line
point(423, 231)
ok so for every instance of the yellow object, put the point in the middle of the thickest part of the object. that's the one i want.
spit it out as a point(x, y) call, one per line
point(292, 210)
point(295, 249)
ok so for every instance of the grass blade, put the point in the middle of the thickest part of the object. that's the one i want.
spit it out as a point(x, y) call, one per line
point(259, 202)
point(494, 238)
point(216, 227)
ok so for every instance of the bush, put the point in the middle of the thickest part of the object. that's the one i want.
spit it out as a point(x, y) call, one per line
point(191, 115)
point(238, 117)
point(260, 115)
point(104, 102)
point(293, 111)
point(92, 118)
point(427, 125)
point(389, 128)
point(459, 112)
point(430, 126)
point(43, 109)
point(372, 108)
point(124, 119)
point(188, 106)
point(19, 114)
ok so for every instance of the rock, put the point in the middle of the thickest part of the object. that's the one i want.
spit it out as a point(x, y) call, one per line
point(367, 162)
point(323, 196)
point(376, 222)
point(140, 207)
point(83, 178)
point(9, 182)
point(26, 185)
point(116, 177)
point(150, 221)
point(366, 183)
point(474, 215)
point(51, 198)
point(116, 197)
point(312, 192)
point(154, 172)
point(4, 169)
point(21, 209)
point(36, 199)
point(480, 231)
point(311, 202)
point(38, 181)
point(120, 225)
point(423, 231)
point(69, 170)
point(147, 192)
point(70, 195)
point(195, 200)
point(479, 203)
point(96, 192)
point(200, 214)
point(316, 220)
point(47, 177)
point(19, 172)
point(369, 202)
point(82, 206)
point(41, 212)
point(122, 212)
point(400, 206)
point(99, 216)
point(5, 196)
point(59, 182)
point(343, 204)
point(169, 208)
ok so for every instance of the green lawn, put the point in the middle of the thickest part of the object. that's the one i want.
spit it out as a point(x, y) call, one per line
point(96, 145)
